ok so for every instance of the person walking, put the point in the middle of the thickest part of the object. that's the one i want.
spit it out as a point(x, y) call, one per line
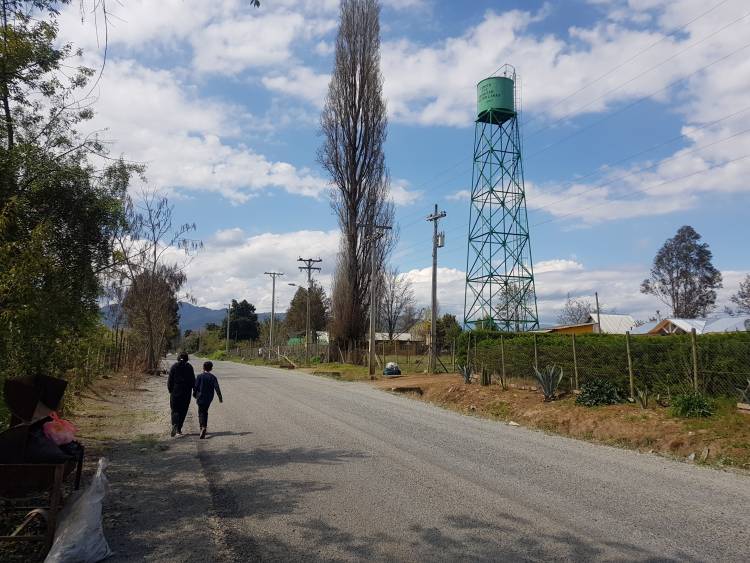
point(180, 384)
point(203, 391)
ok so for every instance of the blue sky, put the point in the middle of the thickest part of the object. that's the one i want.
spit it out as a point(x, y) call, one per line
point(633, 126)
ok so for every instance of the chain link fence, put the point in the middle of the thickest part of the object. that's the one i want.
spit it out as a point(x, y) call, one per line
point(715, 364)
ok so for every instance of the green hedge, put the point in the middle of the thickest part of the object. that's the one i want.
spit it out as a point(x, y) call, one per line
point(662, 364)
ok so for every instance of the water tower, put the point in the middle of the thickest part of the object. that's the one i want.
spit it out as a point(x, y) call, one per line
point(499, 274)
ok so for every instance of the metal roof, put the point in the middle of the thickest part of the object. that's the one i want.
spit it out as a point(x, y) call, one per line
point(611, 323)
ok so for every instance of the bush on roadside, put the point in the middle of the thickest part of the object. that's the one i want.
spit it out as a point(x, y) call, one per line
point(218, 355)
point(692, 405)
point(598, 392)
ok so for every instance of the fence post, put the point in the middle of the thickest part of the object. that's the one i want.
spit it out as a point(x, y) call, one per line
point(630, 366)
point(536, 354)
point(502, 358)
point(575, 362)
point(694, 346)
point(453, 356)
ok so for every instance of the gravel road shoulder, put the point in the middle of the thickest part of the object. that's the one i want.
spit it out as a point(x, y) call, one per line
point(159, 507)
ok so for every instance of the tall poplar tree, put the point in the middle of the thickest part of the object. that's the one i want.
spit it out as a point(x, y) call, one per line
point(354, 124)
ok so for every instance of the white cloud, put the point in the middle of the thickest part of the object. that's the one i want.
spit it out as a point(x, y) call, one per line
point(185, 140)
point(401, 195)
point(435, 84)
point(231, 266)
point(299, 82)
point(618, 288)
point(233, 45)
point(460, 195)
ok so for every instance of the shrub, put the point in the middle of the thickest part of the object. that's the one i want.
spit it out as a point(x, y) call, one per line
point(692, 405)
point(549, 379)
point(598, 392)
point(218, 355)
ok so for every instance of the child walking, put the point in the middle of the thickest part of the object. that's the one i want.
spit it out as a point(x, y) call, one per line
point(205, 385)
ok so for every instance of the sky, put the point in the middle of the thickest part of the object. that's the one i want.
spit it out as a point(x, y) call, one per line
point(635, 121)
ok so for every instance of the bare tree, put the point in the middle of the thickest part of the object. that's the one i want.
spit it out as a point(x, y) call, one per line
point(397, 294)
point(575, 311)
point(354, 123)
point(153, 279)
point(742, 297)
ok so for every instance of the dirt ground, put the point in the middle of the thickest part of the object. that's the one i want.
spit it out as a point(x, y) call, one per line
point(158, 507)
point(721, 440)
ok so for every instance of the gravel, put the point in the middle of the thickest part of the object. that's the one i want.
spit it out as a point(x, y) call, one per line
point(305, 468)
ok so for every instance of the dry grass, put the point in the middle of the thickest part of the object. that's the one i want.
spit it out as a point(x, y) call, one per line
point(723, 439)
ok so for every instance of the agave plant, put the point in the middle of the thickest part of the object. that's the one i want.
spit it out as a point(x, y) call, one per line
point(642, 396)
point(549, 379)
point(745, 393)
point(466, 372)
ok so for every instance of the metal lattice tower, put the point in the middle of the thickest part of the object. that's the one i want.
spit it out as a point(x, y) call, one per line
point(499, 274)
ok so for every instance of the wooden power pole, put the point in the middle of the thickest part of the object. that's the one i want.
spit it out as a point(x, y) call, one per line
point(437, 242)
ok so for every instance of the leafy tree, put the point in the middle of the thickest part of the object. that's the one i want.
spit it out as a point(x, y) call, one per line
point(742, 297)
point(683, 277)
point(353, 125)
point(296, 315)
point(213, 327)
point(58, 213)
point(243, 323)
point(448, 329)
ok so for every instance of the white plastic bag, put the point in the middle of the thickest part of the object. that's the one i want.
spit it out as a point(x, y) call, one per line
point(80, 537)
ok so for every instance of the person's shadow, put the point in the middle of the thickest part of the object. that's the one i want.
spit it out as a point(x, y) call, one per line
point(226, 433)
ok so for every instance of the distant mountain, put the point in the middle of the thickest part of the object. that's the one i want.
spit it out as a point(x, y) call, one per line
point(192, 317)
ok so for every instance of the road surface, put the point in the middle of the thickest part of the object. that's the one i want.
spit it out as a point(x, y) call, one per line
point(310, 469)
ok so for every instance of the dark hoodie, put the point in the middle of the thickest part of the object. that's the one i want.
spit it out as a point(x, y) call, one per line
point(205, 384)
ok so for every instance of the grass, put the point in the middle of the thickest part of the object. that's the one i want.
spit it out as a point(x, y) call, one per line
point(725, 436)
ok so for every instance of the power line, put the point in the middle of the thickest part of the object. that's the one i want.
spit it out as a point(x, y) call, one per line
point(414, 246)
point(591, 83)
point(614, 89)
point(636, 102)
point(644, 190)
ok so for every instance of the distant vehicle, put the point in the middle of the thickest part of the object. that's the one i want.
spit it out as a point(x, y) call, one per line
point(391, 369)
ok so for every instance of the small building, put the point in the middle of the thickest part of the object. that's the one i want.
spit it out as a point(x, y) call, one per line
point(717, 325)
point(399, 336)
point(610, 323)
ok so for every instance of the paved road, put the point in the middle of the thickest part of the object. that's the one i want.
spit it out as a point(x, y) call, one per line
point(305, 468)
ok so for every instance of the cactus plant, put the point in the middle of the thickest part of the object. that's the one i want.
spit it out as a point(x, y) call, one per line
point(549, 379)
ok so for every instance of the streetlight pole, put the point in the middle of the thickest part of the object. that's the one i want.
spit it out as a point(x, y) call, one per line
point(273, 308)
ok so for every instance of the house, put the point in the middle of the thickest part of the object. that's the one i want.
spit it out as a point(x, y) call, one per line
point(399, 336)
point(609, 323)
point(715, 325)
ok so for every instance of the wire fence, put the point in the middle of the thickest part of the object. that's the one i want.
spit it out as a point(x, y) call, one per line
point(717, 364)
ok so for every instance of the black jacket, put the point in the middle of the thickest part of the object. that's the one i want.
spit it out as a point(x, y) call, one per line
point(204, 389)
point(181, 380)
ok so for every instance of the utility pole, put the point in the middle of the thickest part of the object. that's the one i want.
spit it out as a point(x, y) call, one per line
point(273, 275)
point(598, 316)
point(308, 265)
point(374, 233)
point(438, 241)
point(229, 317)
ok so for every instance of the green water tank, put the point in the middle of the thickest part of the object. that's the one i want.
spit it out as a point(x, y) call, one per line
point(495, 101)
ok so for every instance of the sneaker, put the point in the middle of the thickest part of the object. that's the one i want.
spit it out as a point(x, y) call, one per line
point(174, 430)
point(203, 433)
